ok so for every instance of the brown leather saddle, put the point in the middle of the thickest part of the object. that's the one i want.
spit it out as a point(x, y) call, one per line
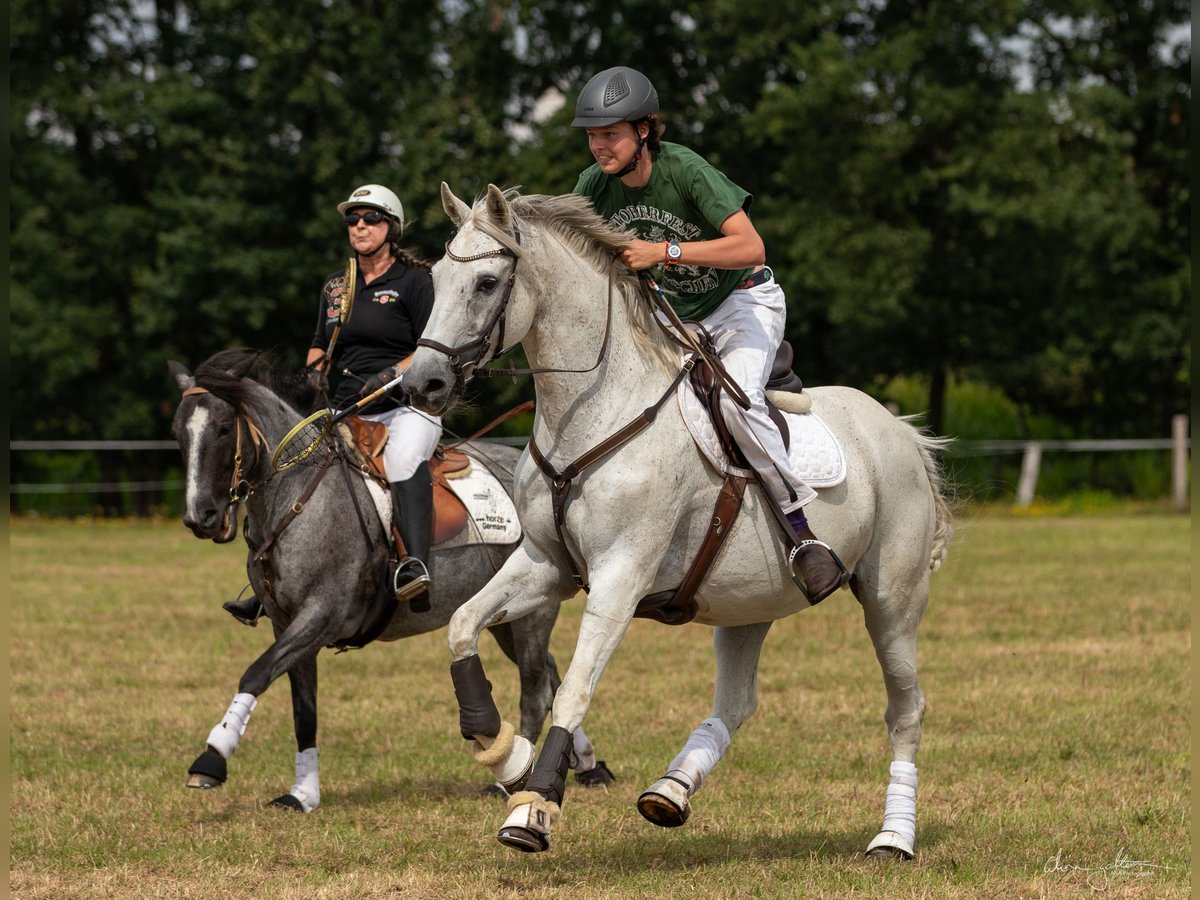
point(449, 513)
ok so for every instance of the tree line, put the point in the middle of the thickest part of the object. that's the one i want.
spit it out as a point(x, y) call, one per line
point(989, 189)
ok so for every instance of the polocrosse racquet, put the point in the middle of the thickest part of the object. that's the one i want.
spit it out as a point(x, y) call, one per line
point(303, 441)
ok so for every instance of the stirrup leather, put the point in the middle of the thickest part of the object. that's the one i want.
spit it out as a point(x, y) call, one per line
point(419, 582)
point(842, 579)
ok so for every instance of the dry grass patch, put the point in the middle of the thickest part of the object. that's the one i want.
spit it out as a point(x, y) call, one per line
point(1055, 761)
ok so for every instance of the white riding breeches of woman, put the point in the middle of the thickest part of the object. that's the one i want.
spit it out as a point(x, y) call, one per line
point(412, 438)
point(747, 328)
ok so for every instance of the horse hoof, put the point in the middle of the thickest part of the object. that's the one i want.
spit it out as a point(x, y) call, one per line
point(665, 803)
point(600, 776)
point(208, 771)
point(890, 845)
point(523, 839)
point(527, 827)
point(495, 789)
point(287, 801)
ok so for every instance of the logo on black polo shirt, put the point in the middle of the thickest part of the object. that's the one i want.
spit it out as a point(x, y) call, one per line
point(387, 295)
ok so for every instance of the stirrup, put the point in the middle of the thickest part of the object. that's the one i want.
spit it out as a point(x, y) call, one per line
point(418, 581)
point(842, 578)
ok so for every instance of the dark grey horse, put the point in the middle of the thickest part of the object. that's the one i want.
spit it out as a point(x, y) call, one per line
point(318, 560)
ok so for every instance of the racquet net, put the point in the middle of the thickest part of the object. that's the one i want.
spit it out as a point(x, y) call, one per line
point(306, 443)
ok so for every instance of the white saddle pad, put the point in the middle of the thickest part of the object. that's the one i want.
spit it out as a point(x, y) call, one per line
point(813, 451)
point(491, 515)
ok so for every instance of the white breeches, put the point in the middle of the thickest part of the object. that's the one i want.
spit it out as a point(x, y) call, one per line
point(748, 328)
point(412, 438)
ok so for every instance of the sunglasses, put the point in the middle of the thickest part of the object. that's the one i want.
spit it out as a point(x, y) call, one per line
point(371, 218)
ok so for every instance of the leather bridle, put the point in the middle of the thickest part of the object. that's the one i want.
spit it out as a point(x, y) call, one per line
point(240, 488)
point(464, 366)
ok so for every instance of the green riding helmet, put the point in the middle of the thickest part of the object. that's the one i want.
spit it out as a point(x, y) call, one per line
point(619, 94)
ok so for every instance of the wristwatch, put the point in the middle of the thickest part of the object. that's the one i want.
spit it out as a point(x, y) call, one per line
point(674, 252)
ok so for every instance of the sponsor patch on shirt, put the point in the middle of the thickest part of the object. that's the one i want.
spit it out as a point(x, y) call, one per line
point(387, 295)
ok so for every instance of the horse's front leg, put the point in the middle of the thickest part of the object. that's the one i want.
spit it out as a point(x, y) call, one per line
point(737, 649)
point(295, 644)
point(525, 582)
point(606, 618)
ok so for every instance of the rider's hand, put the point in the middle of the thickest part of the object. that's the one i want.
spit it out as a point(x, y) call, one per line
point(314, 377)
point(378, 380)
point(641, 255)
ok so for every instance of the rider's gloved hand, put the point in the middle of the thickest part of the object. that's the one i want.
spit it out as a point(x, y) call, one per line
point(314, 377)
point(378, 380)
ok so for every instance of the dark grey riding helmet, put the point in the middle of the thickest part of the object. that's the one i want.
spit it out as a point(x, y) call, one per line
point(619, 94)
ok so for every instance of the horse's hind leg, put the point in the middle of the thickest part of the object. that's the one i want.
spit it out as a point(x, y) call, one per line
point(305, 793)
point(666, 802)
point(892, 622)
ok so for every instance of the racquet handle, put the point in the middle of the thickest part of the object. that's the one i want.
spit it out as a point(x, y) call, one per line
point(370, 398)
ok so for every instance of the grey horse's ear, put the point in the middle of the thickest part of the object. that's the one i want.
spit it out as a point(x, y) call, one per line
point(497, 206)
point(455, 208)
point(182, 376)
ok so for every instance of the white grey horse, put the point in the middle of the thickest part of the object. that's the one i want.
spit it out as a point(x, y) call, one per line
point(318, 560)
point(540, 271)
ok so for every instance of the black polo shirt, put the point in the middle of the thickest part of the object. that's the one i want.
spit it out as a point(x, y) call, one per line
point(387, 317)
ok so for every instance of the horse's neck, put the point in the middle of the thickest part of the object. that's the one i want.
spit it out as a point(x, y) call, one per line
point(576, 409)
point(273, 417)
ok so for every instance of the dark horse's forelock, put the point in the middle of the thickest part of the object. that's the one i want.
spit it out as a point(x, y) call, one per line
point(228, 374)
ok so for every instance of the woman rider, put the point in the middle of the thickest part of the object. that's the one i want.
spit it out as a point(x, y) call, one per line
point(392, 299)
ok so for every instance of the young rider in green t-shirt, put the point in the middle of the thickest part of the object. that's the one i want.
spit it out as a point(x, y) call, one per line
point(692, 223)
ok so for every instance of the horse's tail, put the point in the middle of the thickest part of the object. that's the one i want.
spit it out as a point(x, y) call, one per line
point(930, 447)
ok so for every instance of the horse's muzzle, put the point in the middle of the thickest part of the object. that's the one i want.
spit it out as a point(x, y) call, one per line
point(431, 383)
point(211, 524)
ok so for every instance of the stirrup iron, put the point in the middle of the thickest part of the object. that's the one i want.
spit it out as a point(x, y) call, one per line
point(842, 579)
point(417, 585)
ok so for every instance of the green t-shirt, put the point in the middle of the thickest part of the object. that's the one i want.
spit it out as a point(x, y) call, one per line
point(686, 199)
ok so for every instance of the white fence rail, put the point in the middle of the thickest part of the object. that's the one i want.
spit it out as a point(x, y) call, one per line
point(1178, 443)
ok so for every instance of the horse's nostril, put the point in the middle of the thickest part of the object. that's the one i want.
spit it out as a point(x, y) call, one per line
point(434, 386)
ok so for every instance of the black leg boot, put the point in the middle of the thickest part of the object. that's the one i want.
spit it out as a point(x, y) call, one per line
point(413, 511)
point(247, 611)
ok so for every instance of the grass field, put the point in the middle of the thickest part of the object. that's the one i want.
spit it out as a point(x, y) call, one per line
point(1055, 761)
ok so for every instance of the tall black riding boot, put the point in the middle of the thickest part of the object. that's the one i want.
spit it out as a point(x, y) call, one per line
point(413, 511)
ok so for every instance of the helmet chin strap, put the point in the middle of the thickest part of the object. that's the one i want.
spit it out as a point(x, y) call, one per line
point(637, 158)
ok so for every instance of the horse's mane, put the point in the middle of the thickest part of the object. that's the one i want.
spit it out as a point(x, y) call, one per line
point(231, 374)
point(572, 218)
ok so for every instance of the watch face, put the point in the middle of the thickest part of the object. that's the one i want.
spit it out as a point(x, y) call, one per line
point(674, 251)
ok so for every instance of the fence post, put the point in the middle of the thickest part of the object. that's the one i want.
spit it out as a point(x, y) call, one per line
point(1179, 462)
point(1030, 463)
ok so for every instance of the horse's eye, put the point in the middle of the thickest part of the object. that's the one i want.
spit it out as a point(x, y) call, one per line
point(486, 284)
point(223, 430)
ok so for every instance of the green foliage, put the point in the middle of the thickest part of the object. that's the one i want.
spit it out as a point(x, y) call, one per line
point(997, 189)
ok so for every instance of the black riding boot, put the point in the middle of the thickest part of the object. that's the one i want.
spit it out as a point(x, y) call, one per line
point(246, 611)
point(413, 511)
